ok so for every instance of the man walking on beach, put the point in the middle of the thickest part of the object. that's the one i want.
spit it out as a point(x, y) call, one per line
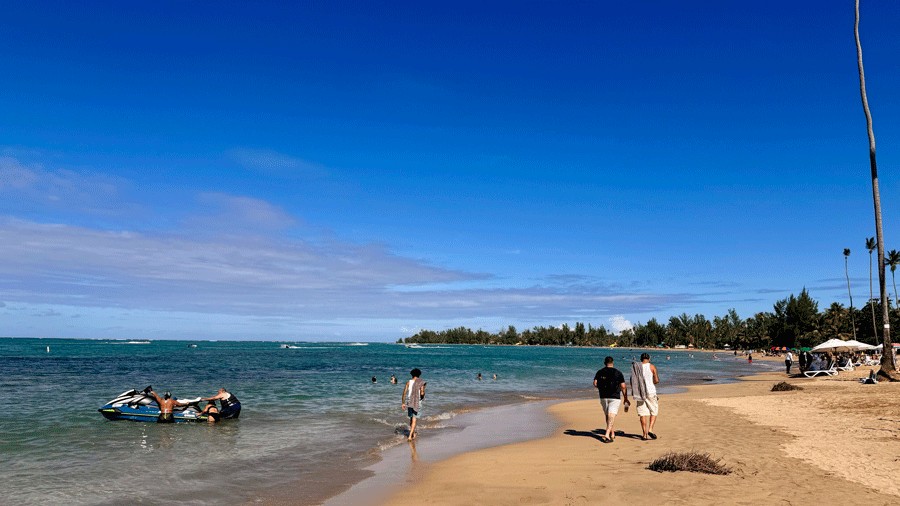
point(788, 362)
point(643, 387)
point(410, 400)
point(610, 383)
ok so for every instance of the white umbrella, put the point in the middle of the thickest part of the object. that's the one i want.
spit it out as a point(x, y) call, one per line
point(833, 345)
point(859, 346)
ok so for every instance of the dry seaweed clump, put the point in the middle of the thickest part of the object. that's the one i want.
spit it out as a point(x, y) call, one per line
point(689, 461)
point(784, 386)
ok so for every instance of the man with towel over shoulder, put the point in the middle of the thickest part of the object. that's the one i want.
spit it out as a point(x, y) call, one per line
point(643, 387)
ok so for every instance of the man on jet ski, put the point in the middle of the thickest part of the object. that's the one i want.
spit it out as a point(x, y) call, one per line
point(166, 404)
point(231, 406)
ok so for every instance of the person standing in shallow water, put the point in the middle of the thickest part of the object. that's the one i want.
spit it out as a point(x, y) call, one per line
point(231, 406)
point(411, 399)
point(166, 405)
point(610, 383)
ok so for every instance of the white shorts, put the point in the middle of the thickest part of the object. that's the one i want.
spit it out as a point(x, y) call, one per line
point(610, 406)
point(648, 407)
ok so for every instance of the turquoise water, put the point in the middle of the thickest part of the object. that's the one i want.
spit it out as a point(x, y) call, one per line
point(311, 416)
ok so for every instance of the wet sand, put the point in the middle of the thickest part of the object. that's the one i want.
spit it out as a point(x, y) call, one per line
point(835, 442)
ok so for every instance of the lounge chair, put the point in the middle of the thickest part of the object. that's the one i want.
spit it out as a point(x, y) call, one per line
point(831, 371)
point(847, 367)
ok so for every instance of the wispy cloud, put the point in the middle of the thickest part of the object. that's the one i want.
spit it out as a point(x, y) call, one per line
point(245, 261)
point(245, 274)
point(25, 187)
point(273, 162)
point(228, 213)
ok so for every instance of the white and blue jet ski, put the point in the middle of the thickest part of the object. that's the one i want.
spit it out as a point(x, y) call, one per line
point(140, 406)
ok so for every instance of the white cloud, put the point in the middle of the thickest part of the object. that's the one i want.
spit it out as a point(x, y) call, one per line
point(31, 186)
point(242, 274)
point(234, 261)
point(274, 162)
point(222, 212)
point(15, 176)
point(619, 324)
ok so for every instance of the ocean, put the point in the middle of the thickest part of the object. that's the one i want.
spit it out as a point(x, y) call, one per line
point(312, 419)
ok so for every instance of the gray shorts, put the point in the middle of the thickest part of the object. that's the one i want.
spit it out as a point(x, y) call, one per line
point(410, 412)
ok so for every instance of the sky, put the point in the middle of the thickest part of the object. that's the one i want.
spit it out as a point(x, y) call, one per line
point(360, 171)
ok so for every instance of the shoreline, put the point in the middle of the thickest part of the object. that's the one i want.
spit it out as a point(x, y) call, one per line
point(820, 444)
point(392, 466)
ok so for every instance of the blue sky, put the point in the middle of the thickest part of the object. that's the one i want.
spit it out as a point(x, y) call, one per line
point(344, 171)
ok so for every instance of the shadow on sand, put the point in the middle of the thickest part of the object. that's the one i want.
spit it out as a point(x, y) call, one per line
point(597, 433)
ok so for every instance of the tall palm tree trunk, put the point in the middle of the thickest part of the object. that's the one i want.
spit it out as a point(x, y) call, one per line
point(870, 245)
point(888, 366)
point(849, 293)
point(894, 279)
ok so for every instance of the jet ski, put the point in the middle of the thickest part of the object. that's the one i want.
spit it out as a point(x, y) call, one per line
point(140, 406)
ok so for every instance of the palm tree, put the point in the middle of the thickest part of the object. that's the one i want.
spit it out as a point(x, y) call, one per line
point(893, 259)
point(870, 245)
point(888, 366)
point(849, 293)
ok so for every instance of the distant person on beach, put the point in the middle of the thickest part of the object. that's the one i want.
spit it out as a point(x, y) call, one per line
point(410, 400)
point(495, 376)
point(610, 384)
point(393, 380)
point(374, 379)
point(788, 362)
point(478, 377)
point(231, 406)
point(749, 358)
point(644, 379)
point(166, 405)
point(211, 412)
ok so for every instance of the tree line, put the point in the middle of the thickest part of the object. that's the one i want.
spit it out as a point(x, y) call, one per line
point(794, 321)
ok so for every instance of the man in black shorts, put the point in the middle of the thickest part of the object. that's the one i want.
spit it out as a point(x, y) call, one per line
point(610, 383)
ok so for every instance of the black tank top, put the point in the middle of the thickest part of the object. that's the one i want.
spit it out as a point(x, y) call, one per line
point(230, 401)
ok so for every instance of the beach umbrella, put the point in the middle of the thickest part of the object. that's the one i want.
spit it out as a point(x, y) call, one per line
point(833, 345)
point(859, 346)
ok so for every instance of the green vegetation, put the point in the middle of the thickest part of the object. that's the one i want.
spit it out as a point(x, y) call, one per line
point(793, 322)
